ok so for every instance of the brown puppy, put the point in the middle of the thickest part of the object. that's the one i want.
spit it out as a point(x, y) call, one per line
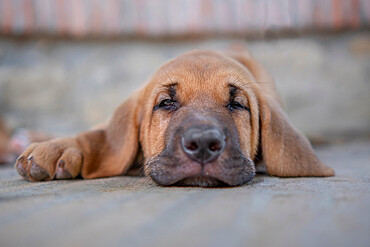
point(203, 119)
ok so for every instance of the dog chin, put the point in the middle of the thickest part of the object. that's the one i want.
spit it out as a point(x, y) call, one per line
point(201, 182)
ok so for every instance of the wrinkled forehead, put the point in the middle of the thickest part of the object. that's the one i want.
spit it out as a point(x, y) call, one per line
point(201, 73)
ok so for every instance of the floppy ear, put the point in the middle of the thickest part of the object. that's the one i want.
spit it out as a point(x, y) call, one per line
point(286, 152)
point(111, 151)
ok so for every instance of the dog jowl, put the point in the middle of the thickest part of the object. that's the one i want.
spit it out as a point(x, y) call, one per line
point(200, 120)
point(201, 145)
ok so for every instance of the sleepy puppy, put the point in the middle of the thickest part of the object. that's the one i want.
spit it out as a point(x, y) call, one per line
point(203, 119)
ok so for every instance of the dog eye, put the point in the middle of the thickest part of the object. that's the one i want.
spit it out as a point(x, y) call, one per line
point(234, 105)
point(167, 104)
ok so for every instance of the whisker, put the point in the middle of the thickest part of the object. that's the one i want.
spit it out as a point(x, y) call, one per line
point(141, 181)
point(237, 78)
point(165, 72)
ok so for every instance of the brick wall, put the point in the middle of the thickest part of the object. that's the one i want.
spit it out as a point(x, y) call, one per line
point(158, 18)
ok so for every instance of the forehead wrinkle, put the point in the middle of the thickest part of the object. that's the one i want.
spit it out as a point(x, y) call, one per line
point(215, 86)
point(163, 89)
point(198, 76)
point(165, 72)
point(200, 66)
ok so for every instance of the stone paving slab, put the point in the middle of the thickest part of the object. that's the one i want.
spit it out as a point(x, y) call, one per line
point(131, 211)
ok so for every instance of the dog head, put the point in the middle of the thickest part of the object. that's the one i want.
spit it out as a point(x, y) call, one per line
point(203, 118)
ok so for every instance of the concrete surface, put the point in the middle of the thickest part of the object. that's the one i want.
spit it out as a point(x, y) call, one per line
point(129, 211)
point(63, 87)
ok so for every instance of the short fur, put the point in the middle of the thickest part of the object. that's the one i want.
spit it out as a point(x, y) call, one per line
point(201, 83)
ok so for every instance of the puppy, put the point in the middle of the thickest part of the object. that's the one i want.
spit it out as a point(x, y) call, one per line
point(203, 119)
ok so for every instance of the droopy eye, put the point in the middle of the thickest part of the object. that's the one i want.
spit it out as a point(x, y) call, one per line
point(167, 104)
point(234, 105)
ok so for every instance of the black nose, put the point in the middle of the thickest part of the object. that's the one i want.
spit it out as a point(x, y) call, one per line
point(203, 144)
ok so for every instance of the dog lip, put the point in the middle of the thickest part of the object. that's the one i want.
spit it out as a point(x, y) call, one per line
point(163, 178)
point(186, 176)
point(202, 181)
point(166, 171)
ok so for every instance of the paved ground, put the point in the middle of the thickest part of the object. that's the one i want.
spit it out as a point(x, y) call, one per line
point(126, 211)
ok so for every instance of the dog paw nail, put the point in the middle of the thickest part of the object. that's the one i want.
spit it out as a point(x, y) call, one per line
point(20, 159)
point(30, 157)
point(38, 173)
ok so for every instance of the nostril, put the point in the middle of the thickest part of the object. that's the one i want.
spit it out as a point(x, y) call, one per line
point(203, 144)
point(192, 146)
point(215, 146)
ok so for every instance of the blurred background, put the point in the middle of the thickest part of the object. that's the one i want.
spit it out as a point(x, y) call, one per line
point(65, 65)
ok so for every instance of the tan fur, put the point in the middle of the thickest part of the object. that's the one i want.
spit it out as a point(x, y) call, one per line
point(135, 131)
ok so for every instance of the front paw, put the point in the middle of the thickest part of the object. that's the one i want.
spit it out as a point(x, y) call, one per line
point(55, 159)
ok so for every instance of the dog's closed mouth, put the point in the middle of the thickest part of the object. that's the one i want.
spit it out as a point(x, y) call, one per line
point(201, 181)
